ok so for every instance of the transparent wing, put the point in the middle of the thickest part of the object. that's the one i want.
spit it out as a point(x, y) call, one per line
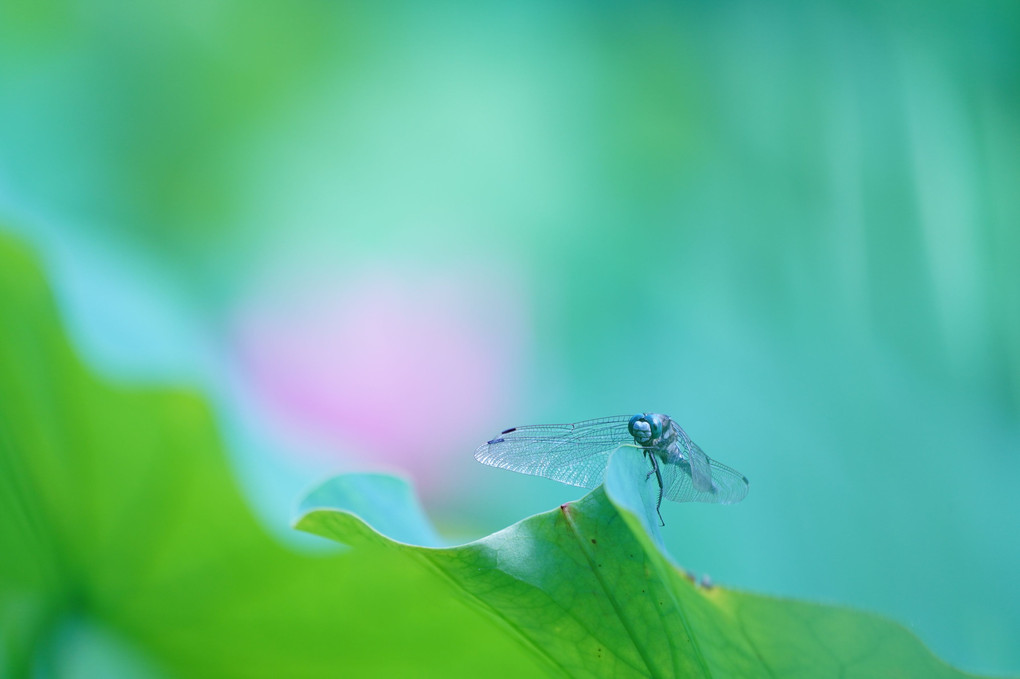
point(701, 466)
point(699, 478)
point(575, 454)
point(728, 485)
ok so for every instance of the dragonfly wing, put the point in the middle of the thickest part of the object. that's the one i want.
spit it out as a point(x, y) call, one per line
point(698, 478)
point(695, 463)
point(701, 469)
point(729, 485)
point(575, 454)
point(678, 484)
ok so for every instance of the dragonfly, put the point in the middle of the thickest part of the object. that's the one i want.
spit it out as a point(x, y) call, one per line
point(577, 454)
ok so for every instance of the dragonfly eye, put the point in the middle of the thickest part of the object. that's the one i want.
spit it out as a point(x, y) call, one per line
point(641, 429)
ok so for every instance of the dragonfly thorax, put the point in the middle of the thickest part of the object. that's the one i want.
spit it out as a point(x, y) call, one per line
point(651, 429)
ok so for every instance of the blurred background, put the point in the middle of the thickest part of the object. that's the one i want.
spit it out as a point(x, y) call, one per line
point(376, 236)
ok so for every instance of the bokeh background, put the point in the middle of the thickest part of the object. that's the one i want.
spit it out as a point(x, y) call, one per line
point(374, 236)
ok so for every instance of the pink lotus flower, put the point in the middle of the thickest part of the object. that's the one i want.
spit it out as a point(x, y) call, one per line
point(393, 370)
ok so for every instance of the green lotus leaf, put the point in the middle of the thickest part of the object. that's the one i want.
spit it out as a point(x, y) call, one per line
point(128, 549)
point(589, 588)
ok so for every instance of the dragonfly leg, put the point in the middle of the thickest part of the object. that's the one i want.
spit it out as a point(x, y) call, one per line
point(658, 477)
point(645, 453)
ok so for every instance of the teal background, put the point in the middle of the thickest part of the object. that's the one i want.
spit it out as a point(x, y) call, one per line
point(793, 228)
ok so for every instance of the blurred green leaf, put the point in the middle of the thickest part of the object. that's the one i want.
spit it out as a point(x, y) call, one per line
point(587, 586)
point(120, 521)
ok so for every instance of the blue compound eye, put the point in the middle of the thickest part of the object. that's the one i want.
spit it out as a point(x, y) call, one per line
point(641, 429)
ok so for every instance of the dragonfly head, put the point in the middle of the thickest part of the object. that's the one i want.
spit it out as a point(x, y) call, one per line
point(646, 428)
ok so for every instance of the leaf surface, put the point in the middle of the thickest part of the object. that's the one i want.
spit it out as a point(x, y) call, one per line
point(121, 523)
point(590, 589)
